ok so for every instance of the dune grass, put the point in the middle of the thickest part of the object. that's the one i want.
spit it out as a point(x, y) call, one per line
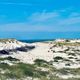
point(21, 71)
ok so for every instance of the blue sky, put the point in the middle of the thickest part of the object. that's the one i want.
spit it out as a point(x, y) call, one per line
point(38, 19)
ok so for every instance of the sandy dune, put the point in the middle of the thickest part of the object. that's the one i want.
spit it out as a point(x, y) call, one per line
point(40, 52)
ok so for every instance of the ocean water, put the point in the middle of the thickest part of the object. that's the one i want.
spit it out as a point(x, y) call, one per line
point(33, 41)
point(52, 36)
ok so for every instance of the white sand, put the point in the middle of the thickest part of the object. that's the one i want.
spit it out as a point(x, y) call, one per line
point(40, 52)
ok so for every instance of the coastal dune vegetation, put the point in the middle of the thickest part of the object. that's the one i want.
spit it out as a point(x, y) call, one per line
point(48, 60)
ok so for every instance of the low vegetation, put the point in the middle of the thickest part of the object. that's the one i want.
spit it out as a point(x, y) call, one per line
point(41, 69)
point(9, 58)
point(21, 71)
point(67, 43)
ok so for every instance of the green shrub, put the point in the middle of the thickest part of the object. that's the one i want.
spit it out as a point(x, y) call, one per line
point(41, 62)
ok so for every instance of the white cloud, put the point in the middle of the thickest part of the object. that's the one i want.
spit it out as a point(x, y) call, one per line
point(74, 18)
point(54, 18)
point(21, 4)
point(42, 16)
point(75, 14)
point(24, 27)
point(46, 21)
